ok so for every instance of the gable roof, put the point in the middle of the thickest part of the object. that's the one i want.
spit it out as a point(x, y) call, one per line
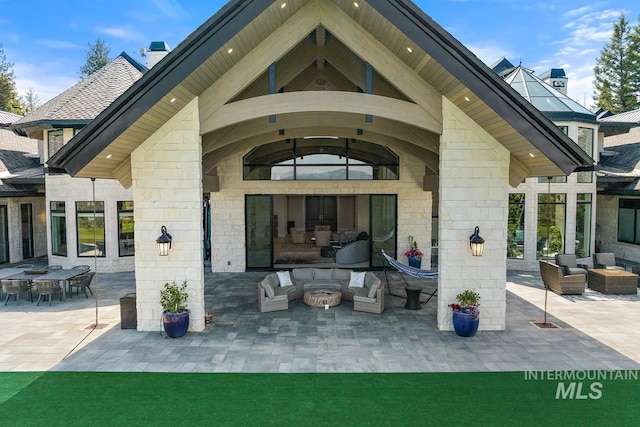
point(81, 103)
point(7, 118)
point(21, 173)
point(440, 60)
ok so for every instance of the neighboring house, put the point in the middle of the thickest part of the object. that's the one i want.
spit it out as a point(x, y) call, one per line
point(546, 218)
point(269, 107)
point(618, 225)
point(69, 201)
point(22, 202)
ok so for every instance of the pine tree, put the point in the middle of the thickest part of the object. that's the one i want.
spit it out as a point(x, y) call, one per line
point(617, 70)
point(30, 101)
point(97, 57)
point(9, 100)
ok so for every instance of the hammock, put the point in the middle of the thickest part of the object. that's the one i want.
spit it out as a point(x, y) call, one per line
point(410, 271)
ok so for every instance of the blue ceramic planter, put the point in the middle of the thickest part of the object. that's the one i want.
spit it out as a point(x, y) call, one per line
point(465, 324)
point(415, 262)
point(175, 325)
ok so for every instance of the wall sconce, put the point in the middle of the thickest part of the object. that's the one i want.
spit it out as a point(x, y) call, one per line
point(164, 242)
point(476, 243)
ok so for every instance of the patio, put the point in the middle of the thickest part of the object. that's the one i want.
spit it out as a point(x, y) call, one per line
point(593, 334)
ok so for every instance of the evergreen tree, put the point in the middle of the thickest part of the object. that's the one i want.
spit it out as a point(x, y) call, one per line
point(617, 70)
point(97, 57)
point(9, 100)
point(30, 101)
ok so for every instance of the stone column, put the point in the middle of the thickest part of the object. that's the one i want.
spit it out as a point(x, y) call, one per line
point(474, 182)
point(167, 190)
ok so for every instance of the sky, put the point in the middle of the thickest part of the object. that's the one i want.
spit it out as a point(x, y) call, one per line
point(47, 41)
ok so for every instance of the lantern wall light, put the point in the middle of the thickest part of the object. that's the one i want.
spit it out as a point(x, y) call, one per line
point(476, 243)
point(164, 242)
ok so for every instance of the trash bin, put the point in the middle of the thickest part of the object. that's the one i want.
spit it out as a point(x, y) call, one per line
point(128, 314)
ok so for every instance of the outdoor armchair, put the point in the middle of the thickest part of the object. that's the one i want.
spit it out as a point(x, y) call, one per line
point(14, 287)
point(569, 263)
point(81, 283)
point(46, 288)
point(606, 260)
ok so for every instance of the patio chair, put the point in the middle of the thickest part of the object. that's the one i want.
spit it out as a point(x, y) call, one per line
point(46, 288)
point(606, 260)
point(81, 267)
point(14, 287)
point(25, 266)
point(569, 264)
point(81, 283)
point(53, 267)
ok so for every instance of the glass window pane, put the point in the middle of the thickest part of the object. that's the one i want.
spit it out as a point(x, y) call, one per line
point(360, 172)
point(626, 219)
point(125, 229)
point(4, 235)
point(585, 139)
point(515, 232)
point(583, 226)
point(320, 173)
point(58, 229)
point(383, 228)
point(551, 225)
point(90, 229)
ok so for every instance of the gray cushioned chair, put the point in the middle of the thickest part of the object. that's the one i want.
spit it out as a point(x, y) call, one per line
point(569, 263)
point(606, 260)
point(353, 252)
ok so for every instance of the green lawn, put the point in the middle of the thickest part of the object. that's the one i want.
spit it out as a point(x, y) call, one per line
point(419, 399)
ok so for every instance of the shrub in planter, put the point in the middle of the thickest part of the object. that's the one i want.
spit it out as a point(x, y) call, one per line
point(175, 315)
point(466, 313)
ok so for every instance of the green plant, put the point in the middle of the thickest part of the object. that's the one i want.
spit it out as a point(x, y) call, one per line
point(173, 297)
point(468, 302)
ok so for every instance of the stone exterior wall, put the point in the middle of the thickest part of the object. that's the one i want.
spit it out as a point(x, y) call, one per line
point(228, 210)
point(167, 189)
point(14, 226)
point(63, 188)
point(607, 230)
point(474, 185)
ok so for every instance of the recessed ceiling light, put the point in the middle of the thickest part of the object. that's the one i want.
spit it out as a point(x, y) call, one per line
point(531, 155)
point(409, 49)
point(466, 98)
point(355, 3)
point(109, 156)
point(283, 5)
point(172, 100)
point(230, 51)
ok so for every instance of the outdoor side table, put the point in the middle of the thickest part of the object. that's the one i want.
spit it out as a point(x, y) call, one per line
point(413, 297)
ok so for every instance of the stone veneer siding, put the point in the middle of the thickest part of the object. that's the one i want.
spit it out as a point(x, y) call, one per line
point(167, 189)
point(474, 184)
point(607, 229)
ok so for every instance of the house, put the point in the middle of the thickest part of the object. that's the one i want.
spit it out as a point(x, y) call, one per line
point(70, 202)
point(287, 109)
point(22, 202)
point(552, 214)
point(618, 180)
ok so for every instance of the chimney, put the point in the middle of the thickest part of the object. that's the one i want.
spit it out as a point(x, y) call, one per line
point(157, 51)
point(556, 78)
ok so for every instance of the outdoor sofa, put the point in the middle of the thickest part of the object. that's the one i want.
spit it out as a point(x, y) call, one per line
point(273, 296)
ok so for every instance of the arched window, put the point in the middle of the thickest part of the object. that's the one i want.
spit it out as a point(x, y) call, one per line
point(321, 158)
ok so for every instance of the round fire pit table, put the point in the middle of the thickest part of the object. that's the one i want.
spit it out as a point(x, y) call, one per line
point(320, 297)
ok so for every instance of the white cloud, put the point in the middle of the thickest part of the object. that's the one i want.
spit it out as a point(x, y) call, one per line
point(124, 33)
point(59, 44)
point(171, 9)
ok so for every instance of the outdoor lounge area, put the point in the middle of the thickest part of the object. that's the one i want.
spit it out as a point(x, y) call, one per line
point(591, 334)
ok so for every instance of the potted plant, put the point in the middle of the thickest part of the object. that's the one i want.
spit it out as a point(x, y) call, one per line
point(466, 313)
point(175, 315)
point(414, 255)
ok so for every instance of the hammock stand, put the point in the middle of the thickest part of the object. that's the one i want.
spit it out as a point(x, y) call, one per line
point(411, 271)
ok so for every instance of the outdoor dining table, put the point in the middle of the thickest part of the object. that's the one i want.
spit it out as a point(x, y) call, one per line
point(62, 275)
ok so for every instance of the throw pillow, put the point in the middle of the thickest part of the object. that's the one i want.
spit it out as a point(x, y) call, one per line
point(268, 289)
point(284, 278)
point(373, 290)
point(357, 279)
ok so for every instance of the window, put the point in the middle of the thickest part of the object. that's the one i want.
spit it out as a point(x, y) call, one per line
point(583, 225)
point(515, 232)
point(125, 229)
point(321, 158)
point(55, 141)
point(551, 225)
point(629, 221)
point(90, 227)
point(4, 235)
point(58, 229)
point(585, 141)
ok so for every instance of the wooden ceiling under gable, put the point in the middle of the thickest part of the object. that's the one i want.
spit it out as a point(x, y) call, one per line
point(317, 45)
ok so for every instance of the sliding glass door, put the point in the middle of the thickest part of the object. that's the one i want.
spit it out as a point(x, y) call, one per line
point(383, 211)
point(259, 211)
